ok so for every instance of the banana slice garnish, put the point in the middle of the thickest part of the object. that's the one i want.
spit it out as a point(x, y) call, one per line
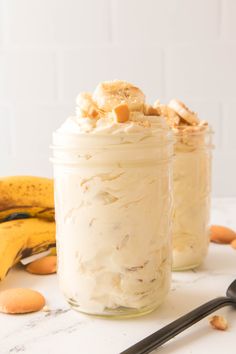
point(86, 107)
point(110, 94)
point(149, 110)
point(184, 112)
point(172, 118)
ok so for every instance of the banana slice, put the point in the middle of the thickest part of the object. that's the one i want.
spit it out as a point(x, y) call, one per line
point(110, 94)
point(86, 107)
point(172, 118)
point(183, 111)
point(149, 110)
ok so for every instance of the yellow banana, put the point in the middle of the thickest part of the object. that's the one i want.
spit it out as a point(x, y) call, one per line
point(29, 195)
point(53, 251)
point(23, 238)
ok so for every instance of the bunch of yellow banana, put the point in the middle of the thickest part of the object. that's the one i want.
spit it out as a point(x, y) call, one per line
point(28, 195)
point(27, 223)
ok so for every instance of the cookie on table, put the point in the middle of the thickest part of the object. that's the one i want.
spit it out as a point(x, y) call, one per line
point(21, 300)
point(43, 266)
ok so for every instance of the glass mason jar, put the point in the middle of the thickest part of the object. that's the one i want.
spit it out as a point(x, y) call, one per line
point(113, 203)
point(192, 193)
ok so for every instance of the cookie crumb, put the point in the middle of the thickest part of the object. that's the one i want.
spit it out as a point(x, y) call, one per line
point(46, 309)
point(121, 113)
point(219, 323)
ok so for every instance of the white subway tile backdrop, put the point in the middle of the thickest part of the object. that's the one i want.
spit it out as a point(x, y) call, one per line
point(82, 69)
point(52, 49)
point(62, 22)
point(28, 76)
point(162, 21)
point(5, 132)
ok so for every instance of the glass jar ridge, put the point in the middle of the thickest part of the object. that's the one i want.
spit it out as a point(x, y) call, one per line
point(113, 202)
point(192, 196)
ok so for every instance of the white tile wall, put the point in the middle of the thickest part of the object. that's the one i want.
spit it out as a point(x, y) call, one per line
point(52, 49)
point(201, 71)
point(39, 121)
point(83, 68)
point(165, 20)
point(25, 165)
point(27, 75)
point(5, 133)
point(228, 20)
point(1, 23)
point(65, 22)
point(229, 136)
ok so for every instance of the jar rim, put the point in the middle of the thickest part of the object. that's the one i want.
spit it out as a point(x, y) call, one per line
point(191, 132)
point(70, 141)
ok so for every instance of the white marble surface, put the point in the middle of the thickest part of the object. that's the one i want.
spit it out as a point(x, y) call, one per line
point(65, 331)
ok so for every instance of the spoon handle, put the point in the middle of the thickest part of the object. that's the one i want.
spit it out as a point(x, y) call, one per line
point(164, 334)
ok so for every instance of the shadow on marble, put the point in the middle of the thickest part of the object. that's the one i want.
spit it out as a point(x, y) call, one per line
point(184, 340)
point(18, 277)
point(178, 303)
point(200, 332)
point(217, 262)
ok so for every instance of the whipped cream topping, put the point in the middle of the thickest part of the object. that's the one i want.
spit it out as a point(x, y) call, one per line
point(138, 124)
point(96, 113)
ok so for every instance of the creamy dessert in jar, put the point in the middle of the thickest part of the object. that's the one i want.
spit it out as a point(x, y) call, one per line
point(113, 202)
point(191, 184)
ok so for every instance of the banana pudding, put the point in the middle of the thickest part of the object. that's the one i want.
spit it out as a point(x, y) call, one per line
point(113, 202)
point(191, 184)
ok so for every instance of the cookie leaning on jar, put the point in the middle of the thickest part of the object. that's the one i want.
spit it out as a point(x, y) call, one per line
point(191, 184)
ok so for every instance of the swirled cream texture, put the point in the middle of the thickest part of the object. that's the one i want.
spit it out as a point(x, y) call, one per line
point(113, 199)
point(191, 184)
point(192, 187)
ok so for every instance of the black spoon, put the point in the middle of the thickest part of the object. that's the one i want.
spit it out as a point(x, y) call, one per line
point(164, 334)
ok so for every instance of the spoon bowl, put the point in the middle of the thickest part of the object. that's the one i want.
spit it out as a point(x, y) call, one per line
point(231, 291)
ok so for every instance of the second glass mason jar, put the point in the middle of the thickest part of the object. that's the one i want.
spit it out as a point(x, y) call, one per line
point(113, 202)
point(192, 193)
